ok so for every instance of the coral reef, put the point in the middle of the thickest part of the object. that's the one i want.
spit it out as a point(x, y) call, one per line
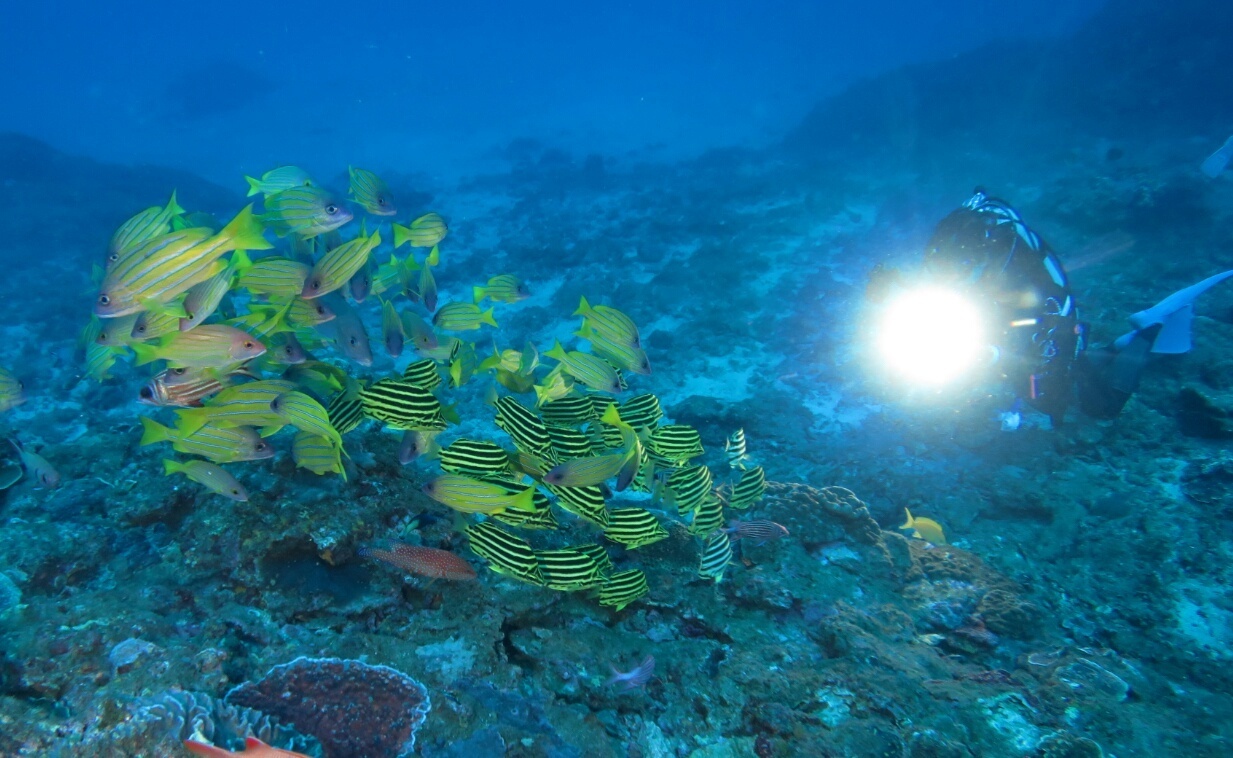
point(353, 709)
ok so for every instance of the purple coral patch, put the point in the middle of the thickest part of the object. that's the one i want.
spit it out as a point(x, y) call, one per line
point(353, 709)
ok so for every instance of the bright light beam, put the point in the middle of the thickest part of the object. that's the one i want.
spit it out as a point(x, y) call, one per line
point(931, 336)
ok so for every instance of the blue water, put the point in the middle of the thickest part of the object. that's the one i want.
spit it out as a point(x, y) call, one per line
point(737, 179)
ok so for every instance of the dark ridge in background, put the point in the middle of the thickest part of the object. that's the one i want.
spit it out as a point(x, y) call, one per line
point(1136, 69)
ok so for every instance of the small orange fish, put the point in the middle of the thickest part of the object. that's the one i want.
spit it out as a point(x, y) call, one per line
point(253, 748)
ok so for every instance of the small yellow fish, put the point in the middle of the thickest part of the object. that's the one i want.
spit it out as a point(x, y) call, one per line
point(215, 478)
point(425, 231)
point(277, 180)
point(467, 495)
point(924, 528)
point(206, 346)
point(372, 193)
point(12, 393)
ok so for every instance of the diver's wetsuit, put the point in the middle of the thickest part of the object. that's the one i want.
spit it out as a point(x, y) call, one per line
point(1040, 341)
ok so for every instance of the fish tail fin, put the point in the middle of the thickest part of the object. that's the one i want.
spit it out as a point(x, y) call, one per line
point(171, 467)
point(612, 417)
point(240, 262)
point(401, 235)
point(478, 293)
point(145, 353)
point(583, 308)
point(434, 257)
point(629, 470)
point(153, 432)
point(487, 317)
point(557, 352)
point(525, 500)
point(254, 186)
point(245, 232)
point(173, 208)
point(189, 420)
point(907, 524)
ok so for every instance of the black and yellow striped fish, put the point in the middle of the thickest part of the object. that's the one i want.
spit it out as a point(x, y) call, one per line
point(708, 517)
point(734, 450)
point(345, 411)
point(569, 569)
point(716, 555)
point(623, 588)
point(402, 405)
point(543, 518)
point(585, 502)
point(634, 527)
point(641, 411)
point(750, 488)
point(505, 553)
point(423, 373)
point(676, 443)
point(566, 444)
point(685, 488)
point(475, 457)
point(597, 551)
point(571, 411)
point(523, 426)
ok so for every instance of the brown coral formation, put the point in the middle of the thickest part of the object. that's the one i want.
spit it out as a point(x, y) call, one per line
point(842, 505)
point(353, 709)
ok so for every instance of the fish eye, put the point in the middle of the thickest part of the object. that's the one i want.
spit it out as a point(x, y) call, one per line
point(146, 393)
point(181, 371)
point(104, 300)
point(260, 446)
point(380, 200)
point(113, 257)
point(331, 209)
point(248, 345)
point(320, 308)
point(352, 340)
point(141, 328)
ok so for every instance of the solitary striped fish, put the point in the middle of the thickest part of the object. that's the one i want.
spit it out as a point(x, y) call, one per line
point(337, 266)
point(218, 444)
point(708, 517)
point(569, 411)
point(716, 555)
point(306, 414)
point(403, 405)
point(141, 228)
point(372, 193)
point(523, 426)
point(467, 495)
point(423, 374)
point(591, 370)
point(610, 323)
point(734, 449)
point(211, 345)
point(750, 488)
point(425, 231)
point(212, 476)
point(676, 443)
point(623, 588)
point(241, 405)
point(276, 180)
point(505, 553)
point(586, 502)
point(760, 531)
point(569, 569)
point(474, 457)
point(275, 277)
point(317, 454)
point(345, 411)
point(305, 212)
point(158, 271)
point(634, 527)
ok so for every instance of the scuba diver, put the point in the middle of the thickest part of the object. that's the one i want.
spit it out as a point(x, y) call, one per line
point(1040, 345)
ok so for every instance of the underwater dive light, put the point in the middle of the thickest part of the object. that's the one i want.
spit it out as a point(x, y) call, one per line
point(931, 335)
